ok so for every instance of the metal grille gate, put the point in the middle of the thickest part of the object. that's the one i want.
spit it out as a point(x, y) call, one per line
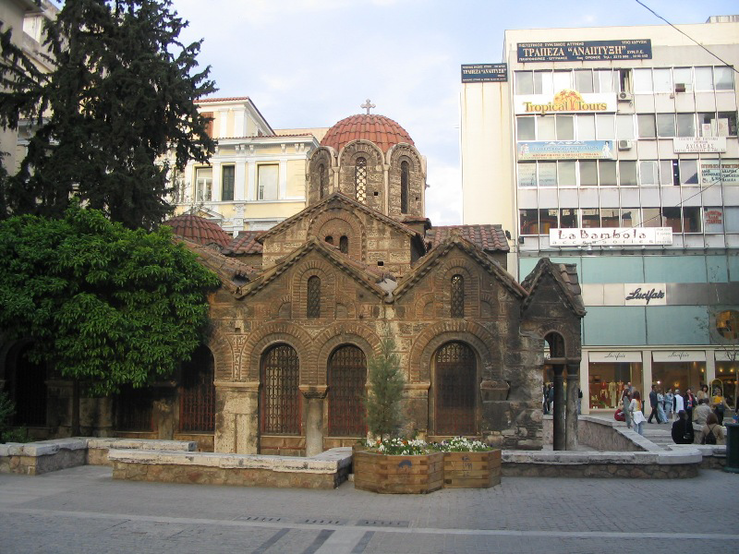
point(198, 394)
point(280, 399)
point(456, 376)
point(347, 378)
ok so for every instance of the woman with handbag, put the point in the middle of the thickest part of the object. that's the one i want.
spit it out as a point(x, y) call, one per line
point(637, 416)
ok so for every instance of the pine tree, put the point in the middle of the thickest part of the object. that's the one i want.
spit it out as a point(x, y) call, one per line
point(119, 102)
point(383, 403)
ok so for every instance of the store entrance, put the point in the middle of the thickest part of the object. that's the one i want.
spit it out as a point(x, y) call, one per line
point(606, 381)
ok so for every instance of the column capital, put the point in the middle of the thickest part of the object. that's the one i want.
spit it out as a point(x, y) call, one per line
point(314, 391)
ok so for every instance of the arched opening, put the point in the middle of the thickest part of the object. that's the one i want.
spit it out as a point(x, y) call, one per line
point(360, 180)
point(314, 297)
point(556, 345)
point(457, 296)
point(133, 410)
point(347, 379)
point(26, 386)
point(455, 390)
point(279, 400)
point(404, 186)
point(198, 393)
point(322, 181)
point(329, 239)
point(344, 244)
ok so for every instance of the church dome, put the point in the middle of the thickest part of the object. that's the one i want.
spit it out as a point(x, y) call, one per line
point(381, 130)
point(198, 229)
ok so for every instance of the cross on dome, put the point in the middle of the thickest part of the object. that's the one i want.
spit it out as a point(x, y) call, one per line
point(368, 105)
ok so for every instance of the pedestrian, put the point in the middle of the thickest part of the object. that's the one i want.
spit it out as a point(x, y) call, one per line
point(701, 412)
point(682, 429)
point(625, 401)
point(661, 415)
point(550, 397)
point(679, 402)
point(669, 404)
point(703, 393)
point(579, 401)
point(719, 405)
point(637, 416)
point(713, 433)
point(653, 404)
point(690, 403)
point(545, 398)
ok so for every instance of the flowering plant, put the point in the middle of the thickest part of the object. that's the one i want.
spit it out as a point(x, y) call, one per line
point(461, 444)
point(399, 447)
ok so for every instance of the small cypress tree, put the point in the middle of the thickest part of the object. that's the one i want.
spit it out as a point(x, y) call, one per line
point(383, 403)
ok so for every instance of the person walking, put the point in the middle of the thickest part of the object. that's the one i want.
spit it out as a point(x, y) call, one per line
point(690, 403)
point(653, 404)
point(719, 405)
point(712, 428)
point(682, 429)
point(661, 416)
point(703, 393)
point(669, 404)
point(637, 416)
point(679, 402)
point(625, 402)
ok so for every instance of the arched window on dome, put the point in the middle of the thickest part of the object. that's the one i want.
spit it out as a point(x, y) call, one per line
point(404, 184)
point(457, 296)
point(360, 180)
point(314, 297)
point(344, 244)
point(322, 181)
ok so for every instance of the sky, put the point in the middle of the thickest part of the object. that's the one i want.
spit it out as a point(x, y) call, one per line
point(310, 63)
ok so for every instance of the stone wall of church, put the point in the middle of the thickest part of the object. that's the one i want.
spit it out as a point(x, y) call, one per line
point(417, 181)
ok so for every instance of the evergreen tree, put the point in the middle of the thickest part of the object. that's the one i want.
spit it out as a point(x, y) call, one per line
point(386, 392)
point(118, 104)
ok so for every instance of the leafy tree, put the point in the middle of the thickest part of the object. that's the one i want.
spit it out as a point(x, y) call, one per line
point(104, 305)
point(383, 403)
point(119, 102)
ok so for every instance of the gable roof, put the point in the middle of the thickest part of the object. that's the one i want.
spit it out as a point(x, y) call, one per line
point(244, 243)
point(490, 238)
point(337, 198)
point(230, 271)
point(358, 272)
point(435, 257)
point(565, 279)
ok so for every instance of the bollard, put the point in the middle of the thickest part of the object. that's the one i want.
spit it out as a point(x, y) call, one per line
point(732, 447)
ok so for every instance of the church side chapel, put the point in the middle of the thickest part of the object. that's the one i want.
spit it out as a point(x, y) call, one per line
point(305, 305)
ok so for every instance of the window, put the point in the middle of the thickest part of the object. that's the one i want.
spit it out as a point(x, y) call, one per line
point(713, 220)
point(627, 173)
point(703, 78)
point(457, 296)
point(666, 172)
point(685, 125)
point(607, 173)
point(609, 217)
point(648, 173)
point(630, 217)
point(529, 220)
point(566, 174)
point(204, 184)
point(588, 174)
point(526, 128)
point(590, 218)
point(647, 125)
point(606, 126)
point(545, 128)
point(643, 80)
point(731, 220)
point(683, 77)
point(561, 80)
point(652, 217)
point(344, 244)
point(267, 175)
point(404, 171)
point(662, 80)
point(624, 127)
point(584, 80)
point(528, 82)
point(568, 218)
point(665, 125)
point(565, 127)
point(360, 180)
point(322, 181)
point(208, 116)
point(604, 80)
point(672, 219)
point(692, 219)
point(280, 393)
point(547, 174)
point(314, 297)
point(227, 182)
point(721, 125)
point(688, 172)
point(527, 174)
point(723, 78)
point(687, 219)
point(585, 127)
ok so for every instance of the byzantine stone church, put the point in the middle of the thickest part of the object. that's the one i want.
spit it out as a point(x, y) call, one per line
point(305, 305)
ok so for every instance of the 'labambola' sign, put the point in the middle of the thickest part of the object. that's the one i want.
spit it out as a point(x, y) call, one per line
point(611, 236)
point(589, 50)
point(565, 150)
point(485, 73)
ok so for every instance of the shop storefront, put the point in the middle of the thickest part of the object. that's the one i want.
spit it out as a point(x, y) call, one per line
point(679, 369)
point(607, 374)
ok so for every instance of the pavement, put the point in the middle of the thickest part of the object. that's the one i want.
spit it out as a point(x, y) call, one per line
point(83, 510)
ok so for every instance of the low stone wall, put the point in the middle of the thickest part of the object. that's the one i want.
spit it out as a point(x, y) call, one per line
point(97, 449)
point(714, 456)
point(606, 436)
point(324, 471)
point(656, 464)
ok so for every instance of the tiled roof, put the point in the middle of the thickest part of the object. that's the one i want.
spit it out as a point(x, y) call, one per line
point(227, 99)
point(198, 230)
point(381, 130)
point(490, 238)
point(244, 243)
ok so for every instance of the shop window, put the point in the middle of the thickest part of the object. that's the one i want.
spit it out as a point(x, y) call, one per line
point(683, 78)
point(227, 182)
point(610, 217)
point(723, 78)
point(568, 218)
point(457, 296)
point(565, 127)
point(625, 127)
point(360, 180)
point(404, 184)
point(685, 125)
point(204, 184)
point(665, 125)
point(267, 176)
point(606, 383)
point(525, 128)
point(647, 126)
point(627, 173)
point(314, 297)
point(590, 218)
point(703, 78)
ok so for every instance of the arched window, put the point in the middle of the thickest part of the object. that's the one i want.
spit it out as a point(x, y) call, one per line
point(314, 297)
point(455, 390)
point(360, 180)
point(556, 344)
point(322, 183)
point(198, 393)
point(404, 184)
point(280, 393)
point(329, 239)
point(347, 378)
point(344, 244)
point(457, 296)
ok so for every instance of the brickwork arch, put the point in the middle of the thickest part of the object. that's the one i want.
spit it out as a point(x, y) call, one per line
point(442, 285)
point(564, 329)
point(473, 334)
point(268, 335)
point(375, 179)
point(321, 157)
point(337, 335)
point(320, 268)
point(338, 223)
point(226, 350)
point(416, 180)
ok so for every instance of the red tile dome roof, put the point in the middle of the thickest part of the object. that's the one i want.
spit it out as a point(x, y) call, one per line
point(381, 130)
point(199, 230)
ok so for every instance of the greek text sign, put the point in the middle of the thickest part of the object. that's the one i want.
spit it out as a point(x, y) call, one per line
point(715, 171)
point(645, 294)
point(566, 101)
point(616, 236)
point(485, 73)
point(589, 50)
point(566, 150)
point(698, 144)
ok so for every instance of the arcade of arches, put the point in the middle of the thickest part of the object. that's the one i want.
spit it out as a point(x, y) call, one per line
point(284, 369)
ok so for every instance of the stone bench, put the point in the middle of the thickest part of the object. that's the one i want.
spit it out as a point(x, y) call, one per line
point(98, 448)
point(324, 471)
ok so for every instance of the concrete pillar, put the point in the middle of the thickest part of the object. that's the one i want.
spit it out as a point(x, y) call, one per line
point(573, 381)
point(558, 440)
point(314, 419)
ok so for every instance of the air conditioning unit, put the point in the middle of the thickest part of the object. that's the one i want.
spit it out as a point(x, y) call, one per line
point(625, 144)
point(624, 96)
point(679, 87)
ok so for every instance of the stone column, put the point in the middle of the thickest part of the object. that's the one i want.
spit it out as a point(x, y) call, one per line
point(558, 440)
point(573, 381)
point(314, 396)
point(237, 417)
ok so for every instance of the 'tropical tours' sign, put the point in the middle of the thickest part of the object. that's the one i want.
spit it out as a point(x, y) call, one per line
point(565, 101)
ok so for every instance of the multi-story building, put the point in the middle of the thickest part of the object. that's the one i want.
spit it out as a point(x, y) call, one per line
point(257, 176)
point(616, 148)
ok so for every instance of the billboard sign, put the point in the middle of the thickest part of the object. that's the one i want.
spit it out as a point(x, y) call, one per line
point(485, 73)
point(565, 150)
point(565, 101)
point(611, 236)
point(584, 51)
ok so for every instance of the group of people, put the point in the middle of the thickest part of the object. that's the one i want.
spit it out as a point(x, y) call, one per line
point(701, 408)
